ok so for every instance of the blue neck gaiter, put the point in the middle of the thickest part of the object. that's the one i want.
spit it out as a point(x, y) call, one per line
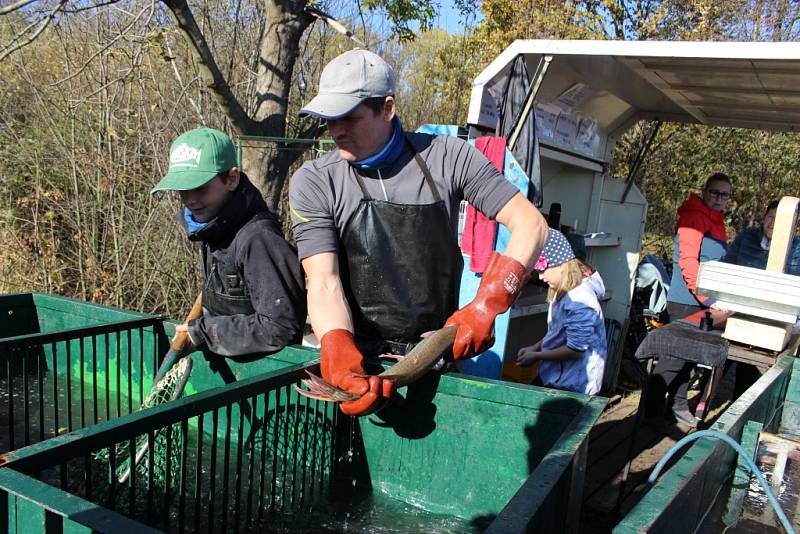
point(388, 154)
point(192, 225)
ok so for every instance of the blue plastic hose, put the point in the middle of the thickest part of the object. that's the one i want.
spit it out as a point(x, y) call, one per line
point(738, 448)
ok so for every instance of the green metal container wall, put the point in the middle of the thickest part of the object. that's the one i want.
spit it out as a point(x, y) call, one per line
point(501, 455)
point(65, 364)
point(104, 361)
point(678, 502)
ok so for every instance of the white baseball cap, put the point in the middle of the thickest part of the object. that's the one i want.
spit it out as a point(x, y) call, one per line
point(348, 80)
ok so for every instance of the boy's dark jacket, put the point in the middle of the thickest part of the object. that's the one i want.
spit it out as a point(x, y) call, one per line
point(253, 287)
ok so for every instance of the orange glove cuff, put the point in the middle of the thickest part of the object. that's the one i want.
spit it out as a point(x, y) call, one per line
point(500, 286)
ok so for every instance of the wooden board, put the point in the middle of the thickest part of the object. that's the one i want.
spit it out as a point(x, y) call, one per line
point(757, 332)
point(759, 358)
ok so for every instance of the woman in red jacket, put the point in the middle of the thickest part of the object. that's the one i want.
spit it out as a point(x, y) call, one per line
point(700, 237)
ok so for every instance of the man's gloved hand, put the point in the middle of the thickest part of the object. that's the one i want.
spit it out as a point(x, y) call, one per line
point(502, 282)
point(342, 365)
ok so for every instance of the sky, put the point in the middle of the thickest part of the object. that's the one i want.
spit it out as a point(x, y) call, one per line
point(448, 18)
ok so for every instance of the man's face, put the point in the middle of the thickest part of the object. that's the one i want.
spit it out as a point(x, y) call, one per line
point(769, 223)
point(206, 201)
point(363, 132)
point(717, 195)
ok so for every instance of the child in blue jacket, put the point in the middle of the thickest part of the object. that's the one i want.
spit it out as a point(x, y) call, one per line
point(573, 352)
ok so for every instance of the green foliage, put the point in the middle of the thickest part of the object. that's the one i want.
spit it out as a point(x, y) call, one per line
point(762, 165)
point(434, 74)
point(402, 13)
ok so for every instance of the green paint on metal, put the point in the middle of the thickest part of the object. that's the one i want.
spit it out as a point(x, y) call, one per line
point(34, 517)
point(741, 477)
point(71, 527)
point(323, 145)
point(458, 446)
point(790, 417)
point(461, 446)
point(678, 501)
point(31, 498)
point(92, 363)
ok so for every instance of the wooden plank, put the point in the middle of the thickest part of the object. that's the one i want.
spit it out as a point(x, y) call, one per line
point(604, 479)
point(741, 477)
point(758, 332)
point(762, 360)
point(782, 234)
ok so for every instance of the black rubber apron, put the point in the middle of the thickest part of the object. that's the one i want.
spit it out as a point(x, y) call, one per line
point(400, 266)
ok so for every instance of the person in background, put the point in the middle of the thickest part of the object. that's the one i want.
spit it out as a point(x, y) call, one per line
point(700, 237)
point(572, 354)
point(253, 287)
point(750, 248)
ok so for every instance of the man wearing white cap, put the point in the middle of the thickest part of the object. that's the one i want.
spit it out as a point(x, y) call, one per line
point(375, 224)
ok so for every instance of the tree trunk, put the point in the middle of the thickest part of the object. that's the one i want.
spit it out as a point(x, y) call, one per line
point(268, 167)
point(278, 51)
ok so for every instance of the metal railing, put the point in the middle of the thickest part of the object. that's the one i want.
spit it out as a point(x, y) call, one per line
point(240, 458)
point(56, 382)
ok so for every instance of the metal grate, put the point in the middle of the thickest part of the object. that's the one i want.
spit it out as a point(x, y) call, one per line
point(57, 382)
point(241, 458)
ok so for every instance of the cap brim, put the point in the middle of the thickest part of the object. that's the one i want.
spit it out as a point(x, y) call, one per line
point(331, 107)
point(183, 181)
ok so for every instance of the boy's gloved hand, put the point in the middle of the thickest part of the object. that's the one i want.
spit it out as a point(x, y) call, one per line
point(501, 284)
point(342, 365)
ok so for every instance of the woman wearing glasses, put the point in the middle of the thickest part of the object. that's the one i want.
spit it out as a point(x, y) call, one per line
point(700, 237)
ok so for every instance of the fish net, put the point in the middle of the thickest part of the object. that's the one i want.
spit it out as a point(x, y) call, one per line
point(168, 388)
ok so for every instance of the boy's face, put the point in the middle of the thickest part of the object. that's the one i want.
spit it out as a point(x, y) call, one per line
point(205, 201)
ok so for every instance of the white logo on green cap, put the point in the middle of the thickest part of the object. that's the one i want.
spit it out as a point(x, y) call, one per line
point(185, 156)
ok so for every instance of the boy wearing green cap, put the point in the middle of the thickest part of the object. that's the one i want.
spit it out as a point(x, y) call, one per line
point(253, 286)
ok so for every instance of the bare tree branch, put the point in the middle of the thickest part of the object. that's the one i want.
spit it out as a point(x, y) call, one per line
point(209, 71)
point(109, 44)
point(44, 24)
point(13, 7)
point(185, 87)
point(89, 8)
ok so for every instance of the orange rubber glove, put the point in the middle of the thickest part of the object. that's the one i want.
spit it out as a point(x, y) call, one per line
point(342, 365)
point(502, 282)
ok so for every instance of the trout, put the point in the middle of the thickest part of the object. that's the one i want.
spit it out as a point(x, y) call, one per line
point(410, 368)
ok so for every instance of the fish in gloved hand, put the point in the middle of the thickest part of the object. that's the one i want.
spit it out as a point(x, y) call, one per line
point(410, 368)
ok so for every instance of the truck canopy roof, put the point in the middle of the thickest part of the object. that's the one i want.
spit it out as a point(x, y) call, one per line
point(735, 84)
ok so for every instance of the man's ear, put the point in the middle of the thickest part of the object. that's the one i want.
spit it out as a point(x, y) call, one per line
point(232, 179)
point(389, 108)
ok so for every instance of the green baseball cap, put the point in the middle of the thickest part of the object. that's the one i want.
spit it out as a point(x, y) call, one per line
point(195, 158)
